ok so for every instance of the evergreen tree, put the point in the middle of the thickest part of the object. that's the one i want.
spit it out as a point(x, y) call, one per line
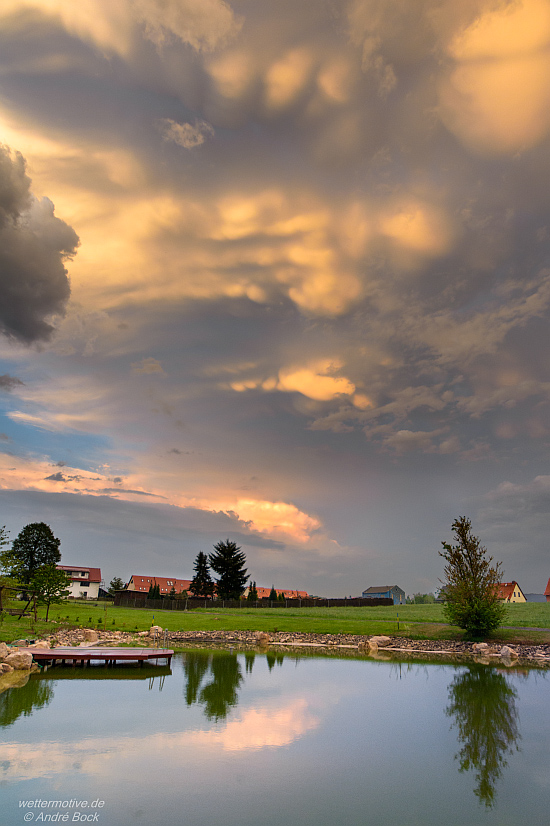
point(472, 599)
point(252, 593)
point(273, 594)
point(202, 584)
point(281, 597)
point(228, 562)
point(33, 547)
point(172, 593)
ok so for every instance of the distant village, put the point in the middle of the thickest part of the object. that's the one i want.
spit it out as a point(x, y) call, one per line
point(87, 583)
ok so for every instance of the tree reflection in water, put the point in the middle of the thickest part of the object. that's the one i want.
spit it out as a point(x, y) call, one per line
point(220, 694)
point(483, 705)
point(14, 702)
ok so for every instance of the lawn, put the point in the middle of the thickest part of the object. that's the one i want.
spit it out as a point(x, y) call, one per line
point(415, 621)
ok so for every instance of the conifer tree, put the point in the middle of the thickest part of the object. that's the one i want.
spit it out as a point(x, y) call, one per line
point(228, 562)
point(273, 594)
point(202, 584)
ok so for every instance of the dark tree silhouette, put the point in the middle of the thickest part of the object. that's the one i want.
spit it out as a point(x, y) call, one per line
point(202, 584)
point(228, 562)
point(483, 708)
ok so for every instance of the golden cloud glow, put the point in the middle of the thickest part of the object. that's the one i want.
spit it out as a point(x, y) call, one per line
point(497, 100)
point(270, 518)
point(315, 381)
point(286, 78)
point(417, 227)
point(254, 729)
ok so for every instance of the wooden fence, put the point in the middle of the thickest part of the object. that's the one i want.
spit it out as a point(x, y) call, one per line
point(131, 599)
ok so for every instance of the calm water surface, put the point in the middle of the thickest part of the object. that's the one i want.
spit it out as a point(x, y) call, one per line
point(241, 739)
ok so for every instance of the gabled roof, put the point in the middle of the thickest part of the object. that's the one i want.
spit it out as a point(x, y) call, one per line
point(547, 592)
point(506, 589)
point(381, 589)
point(165, 583)
point(94, 574)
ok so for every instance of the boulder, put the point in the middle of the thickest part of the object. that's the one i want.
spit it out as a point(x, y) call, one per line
point(381, 641)
point(4, 650)
point(5, 668)
point(90, 635)
point(13, 679)
point(508, 653)
point(155, 630)
point(480, 646)
point(20, 660)
point(373, 647)
point(262, 638)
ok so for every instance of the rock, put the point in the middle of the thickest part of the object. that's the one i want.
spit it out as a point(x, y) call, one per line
point(143, 633)
point(4, 650)
point(262, 638)
point(508, 653)
point(5, 668)
point(380, 641)
point(373, 646)
point(20, 660)
point(13, 679)
point(480, 646)
point(155, 630)
point(90, 635)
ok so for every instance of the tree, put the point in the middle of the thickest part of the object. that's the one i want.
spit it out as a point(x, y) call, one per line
point(471, 583)
point(33, 547)
point(273, 594)
point(281, 597)
point(51, 585)
point(116, 584)
point(202, 584)
point(252, 593)
point(228, 562)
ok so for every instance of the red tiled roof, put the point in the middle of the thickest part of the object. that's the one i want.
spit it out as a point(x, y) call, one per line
point(547, 592)
point(94, 574)
point(506, 589)
point(165, 583)
point(263, 593)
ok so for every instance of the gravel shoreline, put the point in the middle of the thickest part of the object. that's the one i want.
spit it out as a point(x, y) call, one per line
point(539, 654)
point(329, 644)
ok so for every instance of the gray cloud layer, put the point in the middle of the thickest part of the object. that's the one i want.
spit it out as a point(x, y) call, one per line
point(33, 245)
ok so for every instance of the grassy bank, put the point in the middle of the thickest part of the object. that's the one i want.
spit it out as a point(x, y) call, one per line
point(414, 621)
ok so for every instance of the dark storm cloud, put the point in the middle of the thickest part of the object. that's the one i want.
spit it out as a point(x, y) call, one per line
point(33, 245)
point(8, 382)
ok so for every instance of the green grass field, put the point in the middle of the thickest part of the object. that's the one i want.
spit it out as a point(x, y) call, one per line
point(415, 621)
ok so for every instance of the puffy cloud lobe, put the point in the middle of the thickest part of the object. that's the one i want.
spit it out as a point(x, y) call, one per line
point(33, 245)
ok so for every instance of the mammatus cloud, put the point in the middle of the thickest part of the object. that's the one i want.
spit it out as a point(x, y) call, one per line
point(33, 246)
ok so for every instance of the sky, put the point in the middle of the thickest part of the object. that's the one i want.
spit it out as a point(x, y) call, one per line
point(278, 273)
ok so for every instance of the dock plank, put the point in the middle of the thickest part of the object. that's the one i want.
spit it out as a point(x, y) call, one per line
point(95, 654)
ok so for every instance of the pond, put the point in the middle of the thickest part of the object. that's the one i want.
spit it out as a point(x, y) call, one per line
point(264, 739)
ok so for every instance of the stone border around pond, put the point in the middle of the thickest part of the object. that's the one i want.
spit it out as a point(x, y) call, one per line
point(371, 645)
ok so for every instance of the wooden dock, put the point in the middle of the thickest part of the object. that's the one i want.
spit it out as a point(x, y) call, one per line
point(108, 656)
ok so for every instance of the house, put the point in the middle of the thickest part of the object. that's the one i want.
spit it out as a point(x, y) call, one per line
point(386, 592)
point(85, 582)
point(263, 593)
point(510, 592)
point(547, 592)
point(143, 583)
